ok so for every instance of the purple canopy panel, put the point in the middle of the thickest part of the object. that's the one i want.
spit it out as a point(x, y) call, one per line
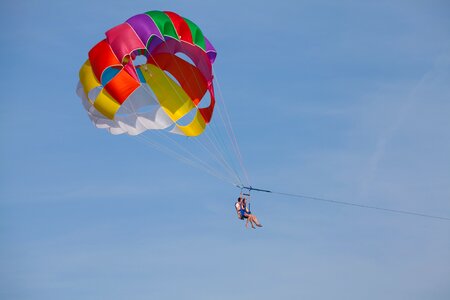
point(210, 50)
point(154, 44)
point(144, 27)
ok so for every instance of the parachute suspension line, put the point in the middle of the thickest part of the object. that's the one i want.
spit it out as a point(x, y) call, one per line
point(217, 155)
point(221, 161)
point(216, 144)
point(181, 148)
point(213, 149)
point(167, 151)
point(190, 158)
point(193, 159)
point(227, 121)
point(137, 121)
point(347, 203)
point(180, 158)
point(219, 140)
point(199, 160)
point(152, 143)
point(230, 134)
point(230, 131)
point(232, 139)
point(190, 154)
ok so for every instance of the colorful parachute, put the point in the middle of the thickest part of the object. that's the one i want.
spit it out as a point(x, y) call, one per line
point(169, 90)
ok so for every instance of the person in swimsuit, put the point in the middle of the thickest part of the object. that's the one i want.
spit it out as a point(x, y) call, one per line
point(244, 213)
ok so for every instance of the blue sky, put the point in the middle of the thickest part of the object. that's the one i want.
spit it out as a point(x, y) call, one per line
point(346, 100)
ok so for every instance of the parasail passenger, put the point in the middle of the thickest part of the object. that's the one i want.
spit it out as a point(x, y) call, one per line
point(244, 212)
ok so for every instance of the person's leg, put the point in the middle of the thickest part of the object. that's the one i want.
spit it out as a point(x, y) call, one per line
point(252, 221)
point(255, 219)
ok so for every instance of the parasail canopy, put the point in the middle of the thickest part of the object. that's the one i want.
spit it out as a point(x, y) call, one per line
point(153, 72)
point(153, 75)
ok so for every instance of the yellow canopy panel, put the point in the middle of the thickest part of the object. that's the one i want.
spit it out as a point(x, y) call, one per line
point(104, 103)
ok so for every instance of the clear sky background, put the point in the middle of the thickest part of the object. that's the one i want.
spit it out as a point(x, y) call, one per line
point(348, 100)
